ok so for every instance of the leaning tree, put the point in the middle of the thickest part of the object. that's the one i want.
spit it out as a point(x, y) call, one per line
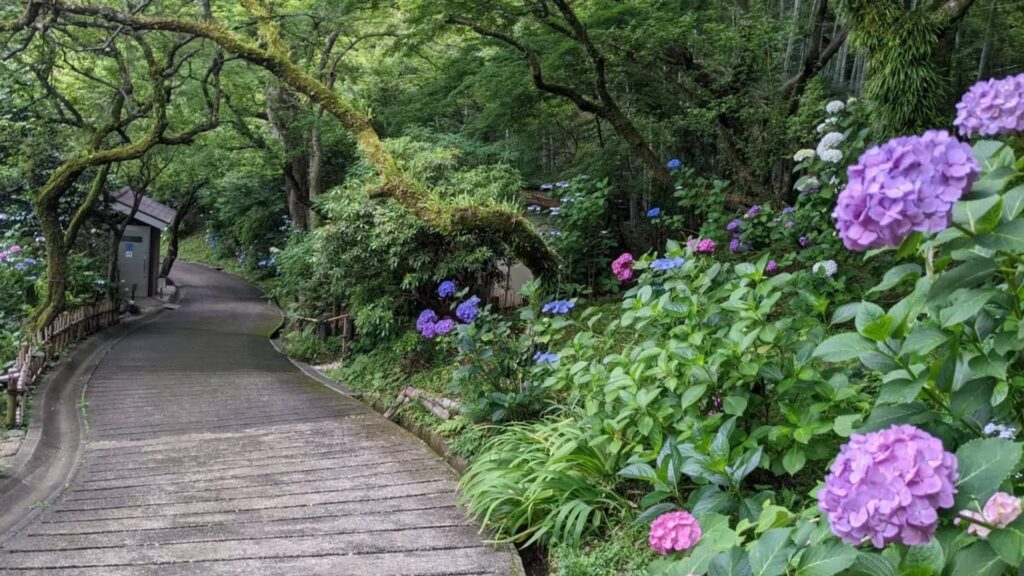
point(262, 45)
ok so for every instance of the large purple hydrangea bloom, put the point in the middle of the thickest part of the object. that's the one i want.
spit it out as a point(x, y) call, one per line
point(908, 184)
point(888, 486)
point(992, 107)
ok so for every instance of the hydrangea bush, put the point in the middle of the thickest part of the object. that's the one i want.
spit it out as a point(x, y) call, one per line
point(766, 428)
point(929, 481)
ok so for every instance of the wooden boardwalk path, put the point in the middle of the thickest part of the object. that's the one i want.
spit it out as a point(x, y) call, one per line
point(209, 454)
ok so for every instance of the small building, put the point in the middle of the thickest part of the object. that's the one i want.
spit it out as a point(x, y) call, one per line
point(138, 254)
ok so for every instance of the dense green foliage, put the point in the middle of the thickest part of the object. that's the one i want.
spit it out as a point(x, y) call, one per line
point(350, 155)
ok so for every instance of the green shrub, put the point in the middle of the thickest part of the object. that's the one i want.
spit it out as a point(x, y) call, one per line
point(379, 261)
point(307, 345)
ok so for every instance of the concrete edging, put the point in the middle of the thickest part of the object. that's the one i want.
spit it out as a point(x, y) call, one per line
point(51, 452)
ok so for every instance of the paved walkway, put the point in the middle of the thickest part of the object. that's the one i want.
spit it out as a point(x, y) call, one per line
point(209, 454)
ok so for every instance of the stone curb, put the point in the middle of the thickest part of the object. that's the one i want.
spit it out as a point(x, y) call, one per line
point(51, 452)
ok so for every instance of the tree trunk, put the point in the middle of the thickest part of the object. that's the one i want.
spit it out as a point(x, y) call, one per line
point(986, 46)
point(56, 267)
point(297, 191)
point(315, 180)
point(174, 231)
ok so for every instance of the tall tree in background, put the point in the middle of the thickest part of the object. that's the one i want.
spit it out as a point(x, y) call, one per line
point(909, 81)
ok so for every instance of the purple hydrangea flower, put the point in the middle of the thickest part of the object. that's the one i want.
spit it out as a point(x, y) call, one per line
point(992, 107)
point(667, 263)
point(909, 183)
point(736, 246)
point(788, 210)
point(674, 164)
point(545, 358)
point(789, 224)
point(804, 241)
point(444, 326)
point(754, 211)
point(772, 267)
point(446, 289)
point(467, 311)
point(888, 486)
point(734, 226)
point(558, 307)
point(425, 323)
point(654, 212)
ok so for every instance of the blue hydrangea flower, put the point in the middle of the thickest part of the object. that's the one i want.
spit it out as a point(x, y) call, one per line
point(425, 322)
point(667, 263)
point(674, 164)
point(467, 311)
point(734, 226)
point(788, 210)
point(446, 289)
point(545, 358)
point(654, 212)
point(558, 307)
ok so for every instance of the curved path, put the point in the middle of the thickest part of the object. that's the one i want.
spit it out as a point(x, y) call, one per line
point(209, 454)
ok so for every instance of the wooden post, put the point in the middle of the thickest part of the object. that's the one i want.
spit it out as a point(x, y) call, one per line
point(12, 400)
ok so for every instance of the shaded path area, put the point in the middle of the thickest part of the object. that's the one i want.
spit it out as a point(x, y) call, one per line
point(209, 454)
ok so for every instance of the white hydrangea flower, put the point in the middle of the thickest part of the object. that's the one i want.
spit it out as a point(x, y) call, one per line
point(826, 267)
point(831, 120)
point(804, 154)
point(831, 155)
point(807, 183)
point(851, 101)
point(826, 148)
point(1000, 430)
point(835, 107)
point(821, 127)
point(830, 140)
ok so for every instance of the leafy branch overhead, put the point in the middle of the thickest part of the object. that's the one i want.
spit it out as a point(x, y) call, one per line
point(268, 51)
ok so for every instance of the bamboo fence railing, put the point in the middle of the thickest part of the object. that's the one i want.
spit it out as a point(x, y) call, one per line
point(69, 327)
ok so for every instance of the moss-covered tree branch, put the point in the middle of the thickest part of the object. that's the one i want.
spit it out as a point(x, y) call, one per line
point(275, 60)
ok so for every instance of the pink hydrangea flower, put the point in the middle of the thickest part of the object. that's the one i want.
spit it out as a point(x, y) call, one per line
point(888, 486)
point(705, 246)
point(1000, 510)
point(674, 532)
point(623, 267)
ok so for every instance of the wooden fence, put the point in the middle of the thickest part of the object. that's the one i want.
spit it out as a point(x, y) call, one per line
point(68, 328)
